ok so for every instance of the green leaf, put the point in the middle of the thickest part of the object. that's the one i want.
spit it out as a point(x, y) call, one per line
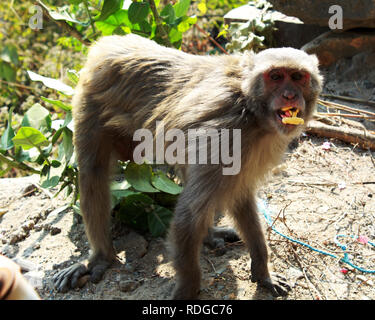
point(109, 8)
point(77, 208)
point(9, 54)
point(159, 220)
point(139, 176)
point(68, 144)
point(168, 14)
point(50, 176)
point(28, 138)
point(138, 11)
point(202, 7)
point(120, 185)
point(20, 155)
point(73, 76)
point(186, 23)
point(57, 135)
point(181, 7)
point(6, 142)
point(58, 103)
point(75, 1)
point(161, 182)
point(63, 14)
point(51, 83)
point(37, 117)
point(118, 19)
point(145, 26)
point(60, 125)
point(134, 210)
point(7, 72)
point(175, 35)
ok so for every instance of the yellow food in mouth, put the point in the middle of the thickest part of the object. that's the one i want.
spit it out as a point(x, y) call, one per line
point(292, 120)
point(290, 117)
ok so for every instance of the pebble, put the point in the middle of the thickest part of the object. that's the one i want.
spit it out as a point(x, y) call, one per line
point(28, 225)
point(128, 285)
point(54, 230)
point(83, 280)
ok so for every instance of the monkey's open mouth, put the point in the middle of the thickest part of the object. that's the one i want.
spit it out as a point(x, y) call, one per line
point(288, 115)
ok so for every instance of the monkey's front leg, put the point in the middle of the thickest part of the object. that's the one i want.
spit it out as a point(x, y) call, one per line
point(245, 214)
point(95, 208)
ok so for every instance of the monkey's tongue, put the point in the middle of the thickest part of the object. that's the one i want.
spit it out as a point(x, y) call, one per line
point(286, 114)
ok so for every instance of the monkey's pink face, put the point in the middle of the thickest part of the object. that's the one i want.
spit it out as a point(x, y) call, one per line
point(286, 89)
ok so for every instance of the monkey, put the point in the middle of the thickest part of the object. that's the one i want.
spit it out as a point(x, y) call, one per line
point(130, 82)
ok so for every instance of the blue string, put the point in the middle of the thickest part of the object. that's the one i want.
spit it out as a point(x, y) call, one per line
point(262, 206)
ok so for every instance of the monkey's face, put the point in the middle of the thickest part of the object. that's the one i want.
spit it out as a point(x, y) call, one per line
point(286, 91)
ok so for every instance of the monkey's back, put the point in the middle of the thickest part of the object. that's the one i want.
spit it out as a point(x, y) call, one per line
point(134, 80)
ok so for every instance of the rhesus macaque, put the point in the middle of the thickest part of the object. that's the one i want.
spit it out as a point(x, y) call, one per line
point(130, 82)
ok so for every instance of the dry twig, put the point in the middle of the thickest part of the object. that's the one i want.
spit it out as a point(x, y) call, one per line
point(362, 138)
point(350, 99)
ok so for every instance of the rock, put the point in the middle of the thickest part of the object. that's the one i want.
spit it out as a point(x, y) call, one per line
point(295, 35)
point(134, 244)
point(29, 190)
point(28, 225)
point(128, 285)
point(54, 230)
point(331, 46)
point(356, 14)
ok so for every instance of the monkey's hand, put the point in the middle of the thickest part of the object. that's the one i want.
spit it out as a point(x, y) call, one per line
point(70, 277)
point(276, 284)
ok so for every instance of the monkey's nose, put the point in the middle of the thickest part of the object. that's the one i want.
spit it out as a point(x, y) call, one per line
point(289, 95)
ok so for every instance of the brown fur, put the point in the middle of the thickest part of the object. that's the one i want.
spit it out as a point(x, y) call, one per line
point(130, 83)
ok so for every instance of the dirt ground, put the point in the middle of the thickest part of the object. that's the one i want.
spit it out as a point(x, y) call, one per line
point(320, 191)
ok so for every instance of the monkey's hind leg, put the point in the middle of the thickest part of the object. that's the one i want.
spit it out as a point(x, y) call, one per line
point(187, 231)
point(93, 154)
point(245, 214)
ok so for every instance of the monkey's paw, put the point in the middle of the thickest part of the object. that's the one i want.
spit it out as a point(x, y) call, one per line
point(70, 277)
point(276, 284)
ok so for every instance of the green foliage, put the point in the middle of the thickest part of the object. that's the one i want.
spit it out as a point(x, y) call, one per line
point(253, 35)
point(40, 141)
point(145, 199)
point(8, 63)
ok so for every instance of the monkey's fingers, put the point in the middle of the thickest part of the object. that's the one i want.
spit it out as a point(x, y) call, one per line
point(68, 278)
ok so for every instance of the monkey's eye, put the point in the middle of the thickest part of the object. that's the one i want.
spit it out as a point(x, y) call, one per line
point(276, 76)
point(296, 76)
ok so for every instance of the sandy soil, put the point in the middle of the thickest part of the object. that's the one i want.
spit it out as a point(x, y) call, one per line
point(315, 194)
